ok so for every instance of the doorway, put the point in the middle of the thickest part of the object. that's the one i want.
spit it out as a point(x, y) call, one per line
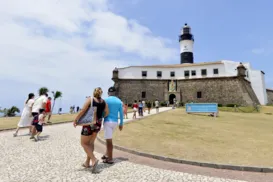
point(171, 97)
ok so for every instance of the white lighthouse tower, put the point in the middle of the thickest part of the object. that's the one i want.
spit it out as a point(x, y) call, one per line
point(186, 45)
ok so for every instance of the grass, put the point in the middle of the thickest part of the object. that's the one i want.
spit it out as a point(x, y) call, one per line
point(11, 122)
point(232, 138)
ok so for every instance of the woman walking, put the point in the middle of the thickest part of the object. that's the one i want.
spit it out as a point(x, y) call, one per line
point(125, 110)
point(26, 117)
point(89, 133)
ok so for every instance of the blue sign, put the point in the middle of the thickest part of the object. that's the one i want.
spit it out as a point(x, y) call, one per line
point(202, 108)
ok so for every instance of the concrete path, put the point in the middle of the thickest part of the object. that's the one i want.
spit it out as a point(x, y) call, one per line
point(58, 157)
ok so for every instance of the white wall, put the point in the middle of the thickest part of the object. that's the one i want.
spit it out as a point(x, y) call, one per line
point(258, 85)
point(231, 68)
point(136, 72)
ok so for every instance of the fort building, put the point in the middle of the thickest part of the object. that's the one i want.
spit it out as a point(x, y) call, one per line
point(224, 81)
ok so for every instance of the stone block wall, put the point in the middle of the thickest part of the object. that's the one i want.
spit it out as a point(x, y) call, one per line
point(269, 96)
point(224, 90)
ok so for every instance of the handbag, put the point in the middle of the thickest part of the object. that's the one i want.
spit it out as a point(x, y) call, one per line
point(88, 117)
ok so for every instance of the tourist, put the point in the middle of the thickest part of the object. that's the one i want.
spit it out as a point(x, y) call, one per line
point(26, 117)
point(125, 109)
point(39, 124)
point(111, 122)
point(149, 106)
point(144, 105)
point(140, 108)
point(78, 109)
point(135, 108)
point(39, 103)
point(89, 132)
point(157, 106)
point(48, 109)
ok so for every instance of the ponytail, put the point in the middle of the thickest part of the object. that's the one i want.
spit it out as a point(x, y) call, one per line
point(29, 97)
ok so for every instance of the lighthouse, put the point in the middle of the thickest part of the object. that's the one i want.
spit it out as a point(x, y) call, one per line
point(186, 45)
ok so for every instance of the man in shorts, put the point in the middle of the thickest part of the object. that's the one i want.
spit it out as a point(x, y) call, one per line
point(111, 122)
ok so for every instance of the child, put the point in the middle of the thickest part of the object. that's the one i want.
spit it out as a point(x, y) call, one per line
point(39, 125)
point(135, 108)
point(125, 108)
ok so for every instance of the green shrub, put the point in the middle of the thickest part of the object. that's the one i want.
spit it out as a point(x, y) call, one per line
point(220, 105)
point(163, 104)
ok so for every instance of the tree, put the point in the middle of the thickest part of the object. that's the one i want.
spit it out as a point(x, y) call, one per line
point(43, 90)
point(56, 95)
point(11, 112)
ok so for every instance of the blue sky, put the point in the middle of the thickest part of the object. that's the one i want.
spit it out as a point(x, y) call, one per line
point(73, 46)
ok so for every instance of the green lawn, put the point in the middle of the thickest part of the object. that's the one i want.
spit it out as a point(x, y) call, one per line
point(11, 122)
point(232, 138)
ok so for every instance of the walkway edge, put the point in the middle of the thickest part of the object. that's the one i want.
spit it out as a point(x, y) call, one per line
point(183, 161)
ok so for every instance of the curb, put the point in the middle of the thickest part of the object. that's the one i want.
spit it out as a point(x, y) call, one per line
point(194, 163)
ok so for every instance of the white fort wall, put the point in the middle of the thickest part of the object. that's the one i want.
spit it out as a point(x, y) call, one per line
point(136, 72)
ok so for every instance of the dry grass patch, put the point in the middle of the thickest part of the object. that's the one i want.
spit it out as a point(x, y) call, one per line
point(233, 138)
point(11, 122)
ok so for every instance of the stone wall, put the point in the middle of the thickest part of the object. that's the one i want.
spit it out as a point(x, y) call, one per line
point(269, 96)
point(224, 90)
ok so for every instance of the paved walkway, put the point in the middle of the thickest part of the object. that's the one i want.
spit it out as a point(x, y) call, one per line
point(58, 157)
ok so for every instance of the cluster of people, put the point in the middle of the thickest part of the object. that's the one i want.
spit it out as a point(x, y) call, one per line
point(72, 109)
point(108, 111)
point(142, 106)
point(34, 115)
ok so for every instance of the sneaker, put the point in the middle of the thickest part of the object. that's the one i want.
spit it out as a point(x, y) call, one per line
point(15, 135)
point(36, 139)
point(32, 137)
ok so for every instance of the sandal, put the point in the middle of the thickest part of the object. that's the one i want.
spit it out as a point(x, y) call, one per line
point(95, 166)
point(104, 157)
point(83, 165)
point(107, 161)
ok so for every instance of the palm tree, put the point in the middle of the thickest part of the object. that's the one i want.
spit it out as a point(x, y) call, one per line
point(56, 95)
point(11, 112)
point(43, 90)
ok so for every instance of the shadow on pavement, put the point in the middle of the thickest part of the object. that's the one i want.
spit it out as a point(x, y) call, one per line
point(101, 166)
point(44, 137)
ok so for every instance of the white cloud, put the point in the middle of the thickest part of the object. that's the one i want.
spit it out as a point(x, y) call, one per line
point(44, 42)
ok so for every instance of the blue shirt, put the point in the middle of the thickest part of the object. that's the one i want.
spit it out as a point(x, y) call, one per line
point(140, 105)
point(115, 110)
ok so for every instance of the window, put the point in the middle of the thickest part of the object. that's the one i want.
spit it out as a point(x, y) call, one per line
point(159, 73)
point(186, 73)
point(193, 73)
point(144, 73)
point(204, 72)
point(143, 95)
point(215, 71)
point(172, 74)
point(199, 95)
